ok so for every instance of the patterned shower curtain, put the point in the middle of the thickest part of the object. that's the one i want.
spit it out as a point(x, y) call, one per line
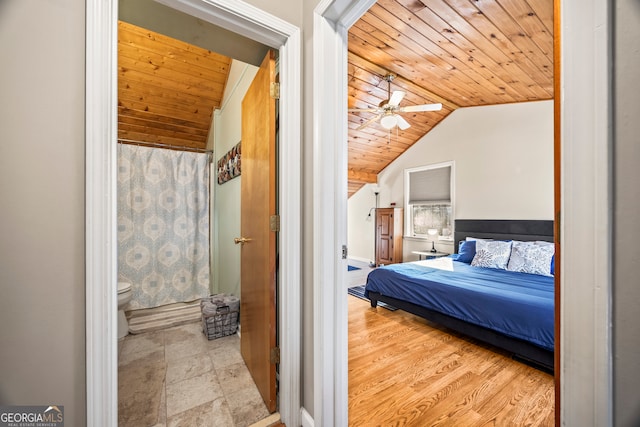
point(163, 224)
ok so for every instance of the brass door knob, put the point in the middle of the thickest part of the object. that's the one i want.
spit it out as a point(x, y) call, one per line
point(242, 240)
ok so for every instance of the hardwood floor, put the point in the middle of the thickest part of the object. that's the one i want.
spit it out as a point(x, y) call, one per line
point(404, 371)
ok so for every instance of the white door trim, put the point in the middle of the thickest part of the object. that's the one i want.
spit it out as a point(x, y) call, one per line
point(101, 243)
point(586, 390)
point(586, 223)
point(331, 20)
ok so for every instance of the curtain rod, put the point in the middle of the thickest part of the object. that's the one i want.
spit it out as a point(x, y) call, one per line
point(161, 145)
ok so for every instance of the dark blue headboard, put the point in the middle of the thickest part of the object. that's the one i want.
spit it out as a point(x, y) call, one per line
point(503, 229)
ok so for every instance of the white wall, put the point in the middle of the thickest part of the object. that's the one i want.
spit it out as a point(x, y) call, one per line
point(361, 224)
point(626, 301)
point(42, 271)
point(503, 165)
point(227, 127)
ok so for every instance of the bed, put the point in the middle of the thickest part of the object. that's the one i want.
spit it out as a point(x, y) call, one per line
point(508, 309)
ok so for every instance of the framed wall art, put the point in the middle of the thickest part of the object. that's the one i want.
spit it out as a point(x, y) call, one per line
point(229, 164)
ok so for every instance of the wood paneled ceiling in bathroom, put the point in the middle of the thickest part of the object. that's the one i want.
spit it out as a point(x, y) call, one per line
point(460, 53)
point(167, 89)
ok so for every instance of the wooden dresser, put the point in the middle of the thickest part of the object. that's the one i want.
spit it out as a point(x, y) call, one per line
point(389, 222)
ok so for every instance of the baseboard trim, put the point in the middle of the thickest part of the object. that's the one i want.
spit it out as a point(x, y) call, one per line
point(306, 418)
point(357, 258)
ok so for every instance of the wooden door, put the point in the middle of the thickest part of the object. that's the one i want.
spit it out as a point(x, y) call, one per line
point(258, 253)
point(384, 236)
point(388, 235)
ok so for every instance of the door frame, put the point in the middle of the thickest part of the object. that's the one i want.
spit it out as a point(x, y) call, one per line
point(101, 201)
point(331, 20)
point(585, 182)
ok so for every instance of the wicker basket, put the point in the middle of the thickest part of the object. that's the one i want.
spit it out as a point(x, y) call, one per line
point(222, 323)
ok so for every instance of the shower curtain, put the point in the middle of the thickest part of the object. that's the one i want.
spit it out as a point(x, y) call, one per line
point(163, 224)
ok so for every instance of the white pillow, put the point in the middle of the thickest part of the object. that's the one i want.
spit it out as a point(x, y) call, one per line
point(531, 257)
point(492, 254)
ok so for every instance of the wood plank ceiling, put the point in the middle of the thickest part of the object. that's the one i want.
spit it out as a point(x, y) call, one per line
point(167, 89)
point(460, 53)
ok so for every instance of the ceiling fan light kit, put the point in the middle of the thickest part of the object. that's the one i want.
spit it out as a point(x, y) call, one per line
point(389, 110)
point(388, 121)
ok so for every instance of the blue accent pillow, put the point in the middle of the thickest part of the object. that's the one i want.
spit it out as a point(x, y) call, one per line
point(467, 251)
point(553, 264)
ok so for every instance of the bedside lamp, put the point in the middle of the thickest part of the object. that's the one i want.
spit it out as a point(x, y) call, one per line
point(433, 232)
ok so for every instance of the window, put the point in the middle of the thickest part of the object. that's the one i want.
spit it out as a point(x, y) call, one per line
point(428, 201)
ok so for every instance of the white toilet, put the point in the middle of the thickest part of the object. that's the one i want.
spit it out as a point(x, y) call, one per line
point(124, 296)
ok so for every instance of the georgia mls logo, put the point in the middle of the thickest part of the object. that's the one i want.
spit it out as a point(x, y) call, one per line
point(32, 416)
point(55, 411)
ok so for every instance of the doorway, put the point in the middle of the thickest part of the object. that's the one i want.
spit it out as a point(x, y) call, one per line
point(101, 136)
point(579, 233)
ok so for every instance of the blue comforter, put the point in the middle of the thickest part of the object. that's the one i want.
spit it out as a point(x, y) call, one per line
point(518, 305)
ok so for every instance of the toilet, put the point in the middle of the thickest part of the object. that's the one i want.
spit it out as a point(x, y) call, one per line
point(124, 296)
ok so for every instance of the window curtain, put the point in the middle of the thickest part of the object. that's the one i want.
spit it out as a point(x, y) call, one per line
point(163, 224)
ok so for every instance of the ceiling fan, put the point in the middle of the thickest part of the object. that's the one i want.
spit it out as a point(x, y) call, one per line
point(389, 110)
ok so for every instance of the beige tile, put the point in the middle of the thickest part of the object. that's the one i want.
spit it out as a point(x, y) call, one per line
point(247, 406)
point(192, 392)
point(142, 346)
point(140, 389)
point(230, 341)
point(188, 367)
point(176, 377)
point(221, 414)
point(162, 411)
point(234, 377)
point(186, 332)
point(210, 414)
point(184, 341)
point(225, 356)
point(175, 352)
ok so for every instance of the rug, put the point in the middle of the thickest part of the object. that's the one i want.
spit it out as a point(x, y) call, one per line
point(352, 268)
point(153, 319)
point(358, 292)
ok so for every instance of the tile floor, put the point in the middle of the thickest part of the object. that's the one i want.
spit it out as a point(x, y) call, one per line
point(176, 377)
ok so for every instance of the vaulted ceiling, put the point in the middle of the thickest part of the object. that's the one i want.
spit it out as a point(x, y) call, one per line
point(460, 53)
point(167, 89)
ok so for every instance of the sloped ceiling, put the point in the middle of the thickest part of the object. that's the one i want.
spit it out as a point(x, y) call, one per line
point(167, 89)
point(460, 53)
point(172, 72)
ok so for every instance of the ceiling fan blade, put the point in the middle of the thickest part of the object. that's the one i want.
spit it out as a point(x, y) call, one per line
point(363, 110)
point(402, 123)
point(396, 97)
point(368, 122)
point(420, 108)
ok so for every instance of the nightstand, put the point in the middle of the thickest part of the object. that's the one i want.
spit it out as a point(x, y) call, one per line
point(429, 254)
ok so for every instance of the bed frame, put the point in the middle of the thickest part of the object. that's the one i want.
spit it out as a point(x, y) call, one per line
point(523, 230)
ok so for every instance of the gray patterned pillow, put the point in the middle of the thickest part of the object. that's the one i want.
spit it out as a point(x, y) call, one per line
point(529, 257)
point(491, 254)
